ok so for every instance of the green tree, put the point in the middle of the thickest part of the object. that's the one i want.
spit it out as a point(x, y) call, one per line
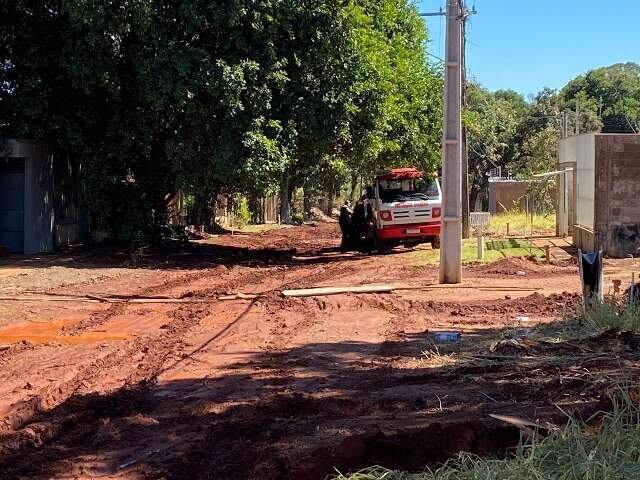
point(397, 94)
point(492, 121)
point(223, 96)
point(609, 97)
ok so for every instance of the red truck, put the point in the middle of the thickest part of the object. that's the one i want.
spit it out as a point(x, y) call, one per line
point(403, 206)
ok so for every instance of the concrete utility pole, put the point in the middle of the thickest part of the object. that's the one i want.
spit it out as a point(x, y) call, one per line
point(577, 116)
point(465, 147)
point(451, 229)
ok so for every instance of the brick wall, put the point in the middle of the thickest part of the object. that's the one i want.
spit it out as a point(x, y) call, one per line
point(617, 192)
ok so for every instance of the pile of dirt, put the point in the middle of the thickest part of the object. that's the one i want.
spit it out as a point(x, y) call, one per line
point(611, 341)
point(281, 242)
point(534, 304)
point(520, 266)
point(554, 304)
point(317, 215)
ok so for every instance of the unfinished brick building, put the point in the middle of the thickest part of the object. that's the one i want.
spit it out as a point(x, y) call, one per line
point(599, 194)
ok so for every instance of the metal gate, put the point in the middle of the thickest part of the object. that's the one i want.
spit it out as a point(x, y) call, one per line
point(12, 204)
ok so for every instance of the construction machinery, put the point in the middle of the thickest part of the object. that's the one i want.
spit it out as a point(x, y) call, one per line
point(402, 206)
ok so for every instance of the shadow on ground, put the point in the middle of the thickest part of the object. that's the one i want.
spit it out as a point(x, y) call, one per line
point(262, 250)
point(302, 412)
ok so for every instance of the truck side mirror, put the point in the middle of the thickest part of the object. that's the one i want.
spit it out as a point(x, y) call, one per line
point(370, 192)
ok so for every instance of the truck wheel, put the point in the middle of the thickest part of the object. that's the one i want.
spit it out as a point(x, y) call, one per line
point(435, 242)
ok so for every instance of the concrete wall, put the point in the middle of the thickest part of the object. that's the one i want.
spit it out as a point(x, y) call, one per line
point(39, 216)
point(566, 199)
point(66, 196)
point(581, 150)
point(617, 191)
point(503, 194)
point(584, 238)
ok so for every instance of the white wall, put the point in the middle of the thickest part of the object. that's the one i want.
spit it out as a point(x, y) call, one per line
point(581, 149)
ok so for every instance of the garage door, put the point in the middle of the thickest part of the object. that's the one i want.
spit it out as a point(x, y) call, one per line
point(12, 204)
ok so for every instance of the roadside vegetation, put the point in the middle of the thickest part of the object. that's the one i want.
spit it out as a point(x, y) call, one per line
point(611, 315)
point(521, 224)
point(494, 250)
point(605, 449)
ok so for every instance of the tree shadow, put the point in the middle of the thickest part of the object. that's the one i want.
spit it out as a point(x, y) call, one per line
point(302, 412)
point(190, 256)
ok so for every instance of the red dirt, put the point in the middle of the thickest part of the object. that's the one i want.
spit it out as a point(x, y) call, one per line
point(273, 387)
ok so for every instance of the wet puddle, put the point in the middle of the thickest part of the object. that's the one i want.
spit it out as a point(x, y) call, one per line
point(49, 332)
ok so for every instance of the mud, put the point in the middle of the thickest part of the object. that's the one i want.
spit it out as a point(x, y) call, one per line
point(280, 388)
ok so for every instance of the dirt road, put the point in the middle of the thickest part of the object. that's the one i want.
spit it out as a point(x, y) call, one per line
point(270, 387)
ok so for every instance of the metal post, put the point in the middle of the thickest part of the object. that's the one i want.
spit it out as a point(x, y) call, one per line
point(451, 231)
point(577, 116)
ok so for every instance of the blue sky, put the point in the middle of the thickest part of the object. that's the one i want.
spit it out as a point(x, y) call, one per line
point(530, 44)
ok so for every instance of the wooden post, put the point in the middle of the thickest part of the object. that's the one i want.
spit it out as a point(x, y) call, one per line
point(508, 229)
point(547, 254)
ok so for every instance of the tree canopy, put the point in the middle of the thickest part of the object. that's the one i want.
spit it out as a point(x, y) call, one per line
point(505, 130)
point(235, 96)
point(257, 96)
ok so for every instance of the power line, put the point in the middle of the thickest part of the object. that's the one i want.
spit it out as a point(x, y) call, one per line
point(435, 56)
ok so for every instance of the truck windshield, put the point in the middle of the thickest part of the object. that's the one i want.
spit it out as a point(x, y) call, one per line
point(409, 189)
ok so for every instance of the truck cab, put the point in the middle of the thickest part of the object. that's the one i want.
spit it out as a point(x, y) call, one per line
point(406, 207)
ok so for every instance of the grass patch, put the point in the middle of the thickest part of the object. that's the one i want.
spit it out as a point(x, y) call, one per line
point(576, 452)
point(521, 248)
point(609, 315)
point(520, 224)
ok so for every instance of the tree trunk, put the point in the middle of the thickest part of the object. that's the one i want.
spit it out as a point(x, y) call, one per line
point(285, 199)
point(331, 196)
point(354, 184)
point(255, 208)
point(473, 195)
point(201, 210)
point(306, 203)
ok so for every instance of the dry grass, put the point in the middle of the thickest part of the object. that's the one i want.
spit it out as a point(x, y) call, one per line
point(434, 358)
point(521, 225)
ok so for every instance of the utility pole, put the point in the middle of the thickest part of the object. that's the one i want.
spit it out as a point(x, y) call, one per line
point(600, 109)
point(451, 224)
point(577, 116)
point(465, 149)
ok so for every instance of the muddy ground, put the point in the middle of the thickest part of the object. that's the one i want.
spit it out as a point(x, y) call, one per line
point(270, 387)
